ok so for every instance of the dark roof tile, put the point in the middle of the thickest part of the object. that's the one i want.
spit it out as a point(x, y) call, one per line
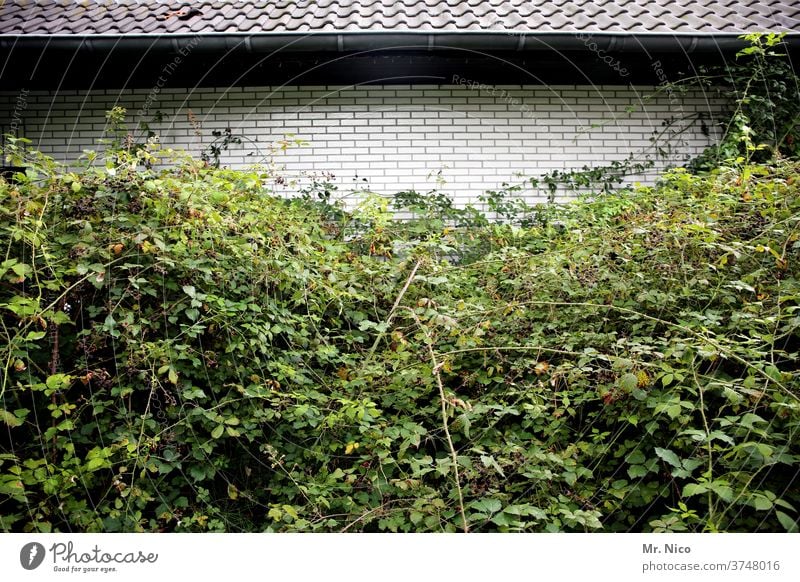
point(276, 16)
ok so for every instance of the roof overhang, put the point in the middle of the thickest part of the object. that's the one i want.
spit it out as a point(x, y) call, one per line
point(357, 41)
point(99, 60)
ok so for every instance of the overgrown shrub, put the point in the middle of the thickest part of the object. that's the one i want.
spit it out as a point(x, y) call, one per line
point(183, 351)
point(762, 92)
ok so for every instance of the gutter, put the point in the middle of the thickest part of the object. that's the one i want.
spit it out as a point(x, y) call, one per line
point(359, 41)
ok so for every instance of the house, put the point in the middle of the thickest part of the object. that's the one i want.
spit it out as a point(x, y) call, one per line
point(394, 94)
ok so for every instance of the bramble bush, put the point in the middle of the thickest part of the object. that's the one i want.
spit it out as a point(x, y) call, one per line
point(183, 351)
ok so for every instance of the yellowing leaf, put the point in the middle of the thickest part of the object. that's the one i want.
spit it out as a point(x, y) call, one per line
point(9, 418)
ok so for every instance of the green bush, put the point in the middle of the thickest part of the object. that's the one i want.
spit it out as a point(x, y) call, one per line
point(183, 351)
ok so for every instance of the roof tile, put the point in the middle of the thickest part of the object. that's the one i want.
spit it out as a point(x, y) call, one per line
point(276, 16)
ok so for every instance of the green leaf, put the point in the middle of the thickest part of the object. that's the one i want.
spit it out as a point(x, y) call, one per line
point(789, 524)
point(465, 424)
point(10, 419)
point(197, 472)
point(761, 503)
point(502, 520)
point(774, 373)
point(6, 265)
point(674, 411)
point(21, 269)
point(487, 506)
point(96, 463)
point(526, 510)
point(721, 436)
point(668, 457)
point(637, 471)
point(192, 393)
point(57, 381)
point(722, 490)
point(35, 335)
point(217, 432)
point(635, 457)
point(629, 382)
point(691, 489)
point(749, 419)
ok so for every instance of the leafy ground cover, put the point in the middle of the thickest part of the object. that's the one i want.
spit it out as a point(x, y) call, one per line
point(182, 351)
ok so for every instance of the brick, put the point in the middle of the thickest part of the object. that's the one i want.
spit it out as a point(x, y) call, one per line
point(393, 134)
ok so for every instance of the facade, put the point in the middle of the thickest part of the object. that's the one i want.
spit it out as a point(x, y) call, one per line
point(463, 96)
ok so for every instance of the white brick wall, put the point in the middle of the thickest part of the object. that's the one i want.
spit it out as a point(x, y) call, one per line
point(397, 136)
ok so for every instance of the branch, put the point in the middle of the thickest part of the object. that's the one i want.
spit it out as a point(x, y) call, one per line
point(394, 308)
point(437, 366)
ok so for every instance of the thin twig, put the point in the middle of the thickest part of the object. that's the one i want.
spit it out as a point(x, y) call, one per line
point(437, 366)
point(391, 312)
point(709, 449)
point(363, 516)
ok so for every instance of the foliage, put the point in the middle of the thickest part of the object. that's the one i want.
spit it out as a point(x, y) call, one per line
point(183, 351)
point(763, 95)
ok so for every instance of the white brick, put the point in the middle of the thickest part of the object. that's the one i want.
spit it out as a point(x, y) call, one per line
point(393, 134)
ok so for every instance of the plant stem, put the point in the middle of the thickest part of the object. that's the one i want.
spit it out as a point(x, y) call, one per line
point(394, 308)
point(437, 366)
point(708, 449)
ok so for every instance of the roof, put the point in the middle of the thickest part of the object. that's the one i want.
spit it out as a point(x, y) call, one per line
point(60, 44)
point(255, 17)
